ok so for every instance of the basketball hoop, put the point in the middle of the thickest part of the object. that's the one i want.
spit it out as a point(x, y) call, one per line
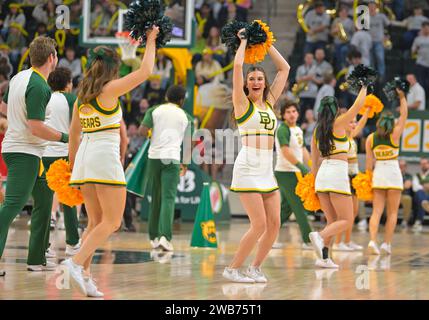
point(127, 44)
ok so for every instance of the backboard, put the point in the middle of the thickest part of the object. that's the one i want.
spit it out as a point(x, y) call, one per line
point(101, 19)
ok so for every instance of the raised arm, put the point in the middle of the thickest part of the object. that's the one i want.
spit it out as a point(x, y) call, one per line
point(74, 134)
point(281, 77)
point(345, 118)
point(239, 98)
point(369, 154)
point(119, 87)
point(361, 124)
point(403, 110)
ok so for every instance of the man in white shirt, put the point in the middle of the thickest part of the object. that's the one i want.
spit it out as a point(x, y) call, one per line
point(169, 123)
point(416, 97)
point(328, 89)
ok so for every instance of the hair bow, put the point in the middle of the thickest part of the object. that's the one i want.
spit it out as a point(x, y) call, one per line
point(387, 122)
point(328, 102)
point(100, 54)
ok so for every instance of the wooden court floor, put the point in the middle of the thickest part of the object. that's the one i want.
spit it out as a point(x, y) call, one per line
point(126, 268)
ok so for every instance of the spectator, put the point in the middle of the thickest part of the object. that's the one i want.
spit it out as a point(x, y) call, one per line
point(287, 95)
point(421, 47)
point(322, 67)
point(71, 62)
point(308, 127)
point(407, 194)
point(214, 43)
point(135, 140)
point(45, 13)
point(342, 45)
point(16, 42)
point(220, 12)
point(378, 21)
point(242, 9)
point(419, 194)
point(328, 89)
point(306, 74)
point(413, 25)
point(318, 24)
point(15, 16)
point(361, 41)
point(163, 67)
point(425, 202)
point(205, 69)
point(205, 19)
point(416, 97)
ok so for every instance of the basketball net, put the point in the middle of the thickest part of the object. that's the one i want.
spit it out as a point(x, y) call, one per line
point(127, 44)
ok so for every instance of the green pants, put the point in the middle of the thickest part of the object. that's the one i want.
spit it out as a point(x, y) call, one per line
point(292, 203)
point(23, 181)
point(163, 182)
point(71, 222)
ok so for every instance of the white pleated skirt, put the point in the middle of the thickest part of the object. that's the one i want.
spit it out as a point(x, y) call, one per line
point(387, 175)
point(333, 176)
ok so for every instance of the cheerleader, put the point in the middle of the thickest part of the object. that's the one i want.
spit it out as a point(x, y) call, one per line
point(253, 175)
point(353, 130)
point(96, 162)
point(329, 148)
point(387, 182)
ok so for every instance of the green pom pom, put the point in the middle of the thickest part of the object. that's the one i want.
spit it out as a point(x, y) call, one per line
point(397, 83)
point(142, 15)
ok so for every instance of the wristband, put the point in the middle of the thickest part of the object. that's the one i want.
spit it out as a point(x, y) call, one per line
point(64, 137)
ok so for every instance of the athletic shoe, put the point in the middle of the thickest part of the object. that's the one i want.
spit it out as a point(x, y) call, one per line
point(76, 275)
point(130, 228)
point(386, 248)
point(341, 247)
point(256, 274)
point(2, 273)
point(72, 250)
point(354, 246)
point(50, 254)
point(154, 243)
point(277, 245)
point(326, 263)
point(317, 242)
point(425, 205)
point(417, 227)
point(235, 275)
point(373, 248)
point(49, 266)
point(91, 288)
point(362, 225)
point(165, 244)
point(306, 246)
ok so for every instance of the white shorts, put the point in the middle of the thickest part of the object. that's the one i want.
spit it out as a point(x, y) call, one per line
point(253, 171)
point(387, 175)
point(333, 176)
point(98, 160)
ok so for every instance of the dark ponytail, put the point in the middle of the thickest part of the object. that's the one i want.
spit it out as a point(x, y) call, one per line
point(328, 111)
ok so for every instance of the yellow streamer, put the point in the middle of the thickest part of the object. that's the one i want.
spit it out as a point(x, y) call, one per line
point(83, 61)
point(60, 38)
point(207, 117)
point(112, 20)
point(300, 16)
point(23, 58)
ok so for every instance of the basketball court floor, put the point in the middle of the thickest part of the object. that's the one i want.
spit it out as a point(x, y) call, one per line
point(127, 268)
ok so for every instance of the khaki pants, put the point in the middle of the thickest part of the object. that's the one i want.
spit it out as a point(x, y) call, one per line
point(407, 203)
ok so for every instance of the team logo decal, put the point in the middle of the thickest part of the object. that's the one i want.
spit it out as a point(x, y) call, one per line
point(208, 229)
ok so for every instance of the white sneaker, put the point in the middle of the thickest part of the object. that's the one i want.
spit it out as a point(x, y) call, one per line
point(341, 247)
point(362, 225)
point(91, 288)
point(354, 246)
point(256, 274)
point(317, 242)
point(326, 263)
point(72, 250)
point(50, 254)
point(306, 246)
point(235, 275)
point(76, 275)
point(49, 266)
point(165, 244)
point(154, 243)
point(386, 248)
point(417, 227)
point(277, 245)
point(373, 248)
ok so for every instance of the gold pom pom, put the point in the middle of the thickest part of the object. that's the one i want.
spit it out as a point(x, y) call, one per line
point(363, 186)
point(305, 189)
point(374, 104)
point(58, 178)
point(257, 52)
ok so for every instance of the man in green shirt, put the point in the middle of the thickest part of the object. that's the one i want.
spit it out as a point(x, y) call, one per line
point(25, 104)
